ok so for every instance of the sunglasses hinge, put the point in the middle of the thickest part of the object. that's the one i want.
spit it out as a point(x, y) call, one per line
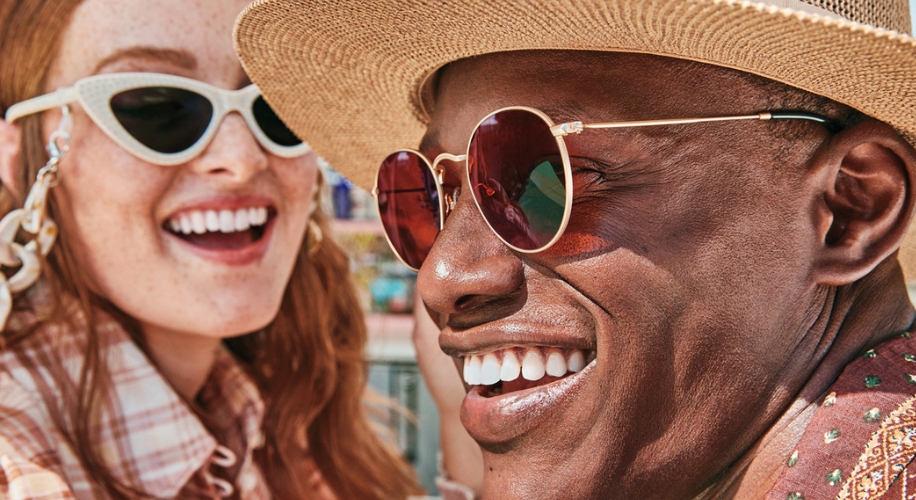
point(567, 128)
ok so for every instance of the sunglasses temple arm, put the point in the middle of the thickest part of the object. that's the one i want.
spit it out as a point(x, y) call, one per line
point(576, 127)
point(831, 125)
point(41, 103)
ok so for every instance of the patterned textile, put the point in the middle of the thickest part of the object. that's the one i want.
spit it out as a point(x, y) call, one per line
point(149, 438)
point(862, 439)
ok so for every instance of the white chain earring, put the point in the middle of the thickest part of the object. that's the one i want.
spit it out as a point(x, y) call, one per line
point(31, 218)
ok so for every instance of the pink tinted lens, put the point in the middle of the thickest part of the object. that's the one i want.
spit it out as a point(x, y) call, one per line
point(408, 204)
point(517, 176)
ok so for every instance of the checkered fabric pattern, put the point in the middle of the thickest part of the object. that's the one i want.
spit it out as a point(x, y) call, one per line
point(148, 436)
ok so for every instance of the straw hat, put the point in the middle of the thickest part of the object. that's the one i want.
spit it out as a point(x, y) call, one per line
point(348, 76)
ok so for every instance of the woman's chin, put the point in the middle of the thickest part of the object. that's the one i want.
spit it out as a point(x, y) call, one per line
point(226, 319)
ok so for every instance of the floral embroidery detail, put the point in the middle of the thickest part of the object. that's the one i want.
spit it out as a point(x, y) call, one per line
point(893, 444)
point(834, 478)
point(793, 459)
point(872, 381)
point(830, 400)
point(795, 496)
point(872, 415)
point(831, 436)
point(909, 357)
point(870, 354)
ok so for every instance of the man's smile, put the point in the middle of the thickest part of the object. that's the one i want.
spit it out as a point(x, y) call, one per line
point(500, 413)
point(518, 368)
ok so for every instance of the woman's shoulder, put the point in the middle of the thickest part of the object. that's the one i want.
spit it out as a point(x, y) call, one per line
point(31, 448)
point(37, 373)
point(25, 423)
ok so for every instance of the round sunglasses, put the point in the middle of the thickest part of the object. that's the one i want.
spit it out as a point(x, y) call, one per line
point(166, 119)
point(519, 175)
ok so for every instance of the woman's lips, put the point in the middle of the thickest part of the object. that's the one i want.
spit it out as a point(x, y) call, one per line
point(503, 411)
point(235, 236)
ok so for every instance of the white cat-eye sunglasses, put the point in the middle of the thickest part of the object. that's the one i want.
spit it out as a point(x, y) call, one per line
point(166, 119)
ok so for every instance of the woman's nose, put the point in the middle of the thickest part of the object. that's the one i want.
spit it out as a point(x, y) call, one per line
point(468, 265)
point(234, 153)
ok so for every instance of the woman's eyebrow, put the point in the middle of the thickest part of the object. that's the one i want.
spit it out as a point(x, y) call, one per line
point(180, 58)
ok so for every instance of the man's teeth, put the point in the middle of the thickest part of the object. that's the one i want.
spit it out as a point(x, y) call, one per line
point(533, 366)
point(224, 221)
point(535, 363)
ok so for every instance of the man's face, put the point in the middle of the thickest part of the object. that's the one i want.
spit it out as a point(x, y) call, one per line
point(683, 276)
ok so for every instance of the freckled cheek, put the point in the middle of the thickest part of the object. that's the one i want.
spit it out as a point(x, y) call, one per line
point(107, 204)
point(298, 178)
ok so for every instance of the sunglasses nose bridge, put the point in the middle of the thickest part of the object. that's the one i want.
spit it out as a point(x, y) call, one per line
point(226, 102)
point(229, 101)
point(446, 157)
point(448, 200)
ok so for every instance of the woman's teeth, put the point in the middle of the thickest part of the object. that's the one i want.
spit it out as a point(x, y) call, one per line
point(224, 221)
point(533, 364)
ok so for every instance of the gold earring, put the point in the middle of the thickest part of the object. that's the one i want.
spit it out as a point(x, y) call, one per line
point(31, 218)
point(315, 236)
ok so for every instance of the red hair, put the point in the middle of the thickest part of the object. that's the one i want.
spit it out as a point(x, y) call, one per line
point(312, 351)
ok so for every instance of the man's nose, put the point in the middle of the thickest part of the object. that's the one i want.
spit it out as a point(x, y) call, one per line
point(468, 265)
point(234, 153)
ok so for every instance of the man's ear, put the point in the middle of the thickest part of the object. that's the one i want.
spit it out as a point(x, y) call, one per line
point(867, 200)
point(10, 148)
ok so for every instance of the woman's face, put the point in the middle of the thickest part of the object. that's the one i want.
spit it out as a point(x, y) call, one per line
point(119, 210)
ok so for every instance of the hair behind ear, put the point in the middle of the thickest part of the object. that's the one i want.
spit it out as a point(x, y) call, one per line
point(867, 200)
point(10, 148)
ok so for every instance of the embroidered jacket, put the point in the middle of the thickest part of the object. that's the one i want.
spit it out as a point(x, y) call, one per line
point(149, 438)
point(862, 439)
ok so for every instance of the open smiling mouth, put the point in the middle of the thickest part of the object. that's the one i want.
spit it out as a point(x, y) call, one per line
point(519, 368)
point(221, 229)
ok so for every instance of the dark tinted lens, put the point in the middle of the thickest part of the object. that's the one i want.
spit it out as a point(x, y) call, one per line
point(164, 119)
point(271, 124)
point(516, 174)
point(408, 204)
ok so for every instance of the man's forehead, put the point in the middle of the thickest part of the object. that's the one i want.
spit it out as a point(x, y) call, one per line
point(577, 82)
point(584, 86)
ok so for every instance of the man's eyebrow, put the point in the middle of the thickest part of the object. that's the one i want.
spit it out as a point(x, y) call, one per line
point(180, 58)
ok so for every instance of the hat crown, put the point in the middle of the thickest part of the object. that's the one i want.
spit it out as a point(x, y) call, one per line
point(887, 14)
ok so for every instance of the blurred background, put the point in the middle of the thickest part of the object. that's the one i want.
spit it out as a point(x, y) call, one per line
point(386, 290)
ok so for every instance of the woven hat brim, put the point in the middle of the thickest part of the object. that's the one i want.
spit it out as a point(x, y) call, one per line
point(346, 76)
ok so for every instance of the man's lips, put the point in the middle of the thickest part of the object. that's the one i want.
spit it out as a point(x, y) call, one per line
point(500, 413)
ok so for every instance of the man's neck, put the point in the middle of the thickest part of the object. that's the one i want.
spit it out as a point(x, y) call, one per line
point(854, 319)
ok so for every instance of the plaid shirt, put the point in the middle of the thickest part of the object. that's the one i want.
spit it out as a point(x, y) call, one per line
point(148, 437)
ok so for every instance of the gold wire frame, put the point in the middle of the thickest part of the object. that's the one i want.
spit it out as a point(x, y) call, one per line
point(567, 176)
point(559, 131)
point(438, 181)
